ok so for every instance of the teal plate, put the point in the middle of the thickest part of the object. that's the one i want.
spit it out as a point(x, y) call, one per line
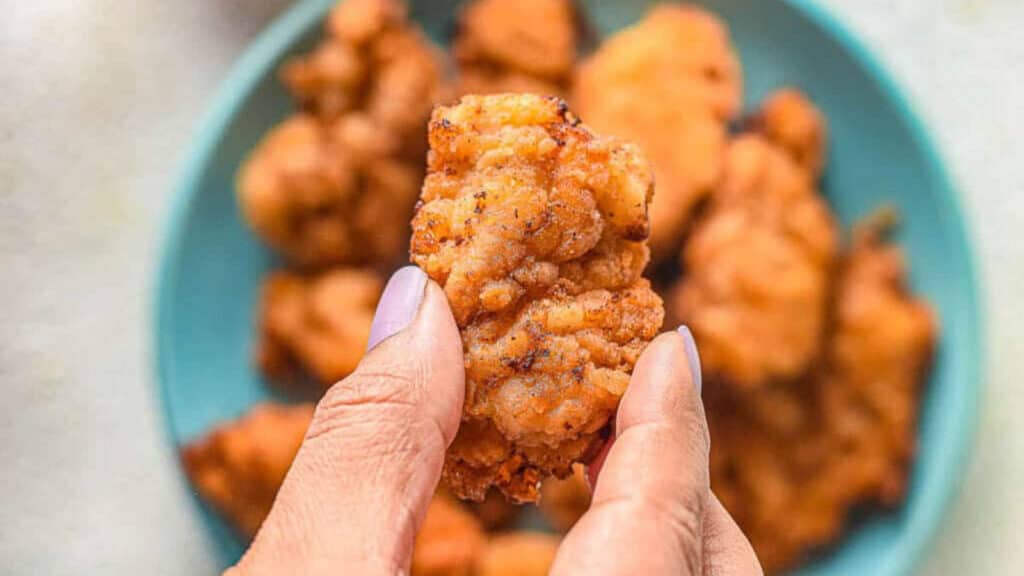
point(880, 154)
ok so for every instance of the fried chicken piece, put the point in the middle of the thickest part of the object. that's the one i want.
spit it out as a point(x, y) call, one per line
point(757, 268)
point(518, 554)
point(310, 193)
point(790, 461)
point(516, 46)
point(239, 466)
point(534, 227)
point(790, 120)
point(878, 361)
point(670, 83)
point(564, 500)
point(373, 61)
point(330, 185)
point(319, 323)
point(449, 542)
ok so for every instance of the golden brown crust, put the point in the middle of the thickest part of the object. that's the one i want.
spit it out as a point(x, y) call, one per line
point(670, 83)
point(515, 46)
point(240, 465)
point(534, 226)
point(758, 267)
point(449, 542)
point(790, 461)
point(317, 323)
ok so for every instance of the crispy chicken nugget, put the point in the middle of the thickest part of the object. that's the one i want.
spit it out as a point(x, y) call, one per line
point(757, 268)
point(318, 323)
point(670, 83)
point(449, 542)
point(791, 460)
point(516, 46)
point(534, 227)
point(239, 466)
point(518, 554)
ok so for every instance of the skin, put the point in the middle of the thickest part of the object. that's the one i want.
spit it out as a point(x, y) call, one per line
point(361, 483)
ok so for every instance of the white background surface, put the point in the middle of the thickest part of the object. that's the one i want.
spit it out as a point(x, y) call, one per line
point(98, 99)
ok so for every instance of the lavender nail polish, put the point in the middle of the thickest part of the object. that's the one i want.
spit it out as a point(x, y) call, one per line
point(692, 356)
point(398, 304)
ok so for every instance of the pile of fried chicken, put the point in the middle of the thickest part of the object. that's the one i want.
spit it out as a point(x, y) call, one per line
point(813, 349)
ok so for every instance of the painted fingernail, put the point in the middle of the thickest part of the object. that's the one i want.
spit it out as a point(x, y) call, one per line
point(398, 304)
point(692, 356)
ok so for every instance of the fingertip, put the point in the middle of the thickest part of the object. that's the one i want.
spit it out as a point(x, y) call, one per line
point(662, 383)
point(692, 356)
point(435, 328)
point(398, 304)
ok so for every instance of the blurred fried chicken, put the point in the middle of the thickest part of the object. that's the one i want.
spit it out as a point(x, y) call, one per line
point(449, 542)
point(374, 63)
point(757, 268)
point(790, 461)
point(317, 323)
point(239, 466)
point(564, 500)
point(518, 554)
point(331, 184)
point(516, 46)
point(790, 120)
point(670, 83)
point(495, 512)
point(534, 227)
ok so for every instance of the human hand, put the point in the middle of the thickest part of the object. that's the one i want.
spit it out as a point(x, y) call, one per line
point(653, 511)
point(360, 485)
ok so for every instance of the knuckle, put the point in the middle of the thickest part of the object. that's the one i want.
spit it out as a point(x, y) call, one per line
point(377, 410)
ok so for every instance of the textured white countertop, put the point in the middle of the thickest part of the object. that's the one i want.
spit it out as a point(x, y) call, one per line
point(98, 99)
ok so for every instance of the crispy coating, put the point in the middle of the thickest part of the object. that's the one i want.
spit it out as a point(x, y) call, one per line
point(239, 466)
point(518, 554)
point(449, 542)
point(670, 83)
point(534, 227)
point(563, 501)
point(319, 324)
point(789, 119)
point(757, 268)
point(332, 184)
point(515, 46)
point(791, 460)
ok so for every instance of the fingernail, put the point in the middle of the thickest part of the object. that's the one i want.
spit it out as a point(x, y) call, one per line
point(398, 304)
point(692, 356)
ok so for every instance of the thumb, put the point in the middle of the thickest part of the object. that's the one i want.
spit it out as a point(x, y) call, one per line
point(361, 482)
point(652, 495)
